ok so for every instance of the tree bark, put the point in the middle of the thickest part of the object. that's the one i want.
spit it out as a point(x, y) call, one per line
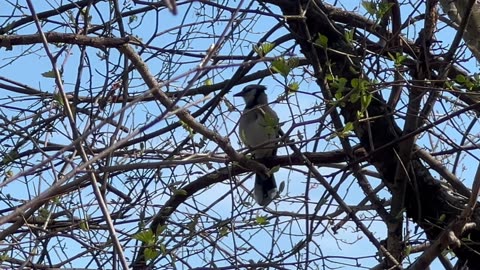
point(430, 203)
point(457, 12)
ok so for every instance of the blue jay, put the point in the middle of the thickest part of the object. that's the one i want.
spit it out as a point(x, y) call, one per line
point(258, 126)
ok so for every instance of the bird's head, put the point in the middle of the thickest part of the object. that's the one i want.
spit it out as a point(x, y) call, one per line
point(253, 95)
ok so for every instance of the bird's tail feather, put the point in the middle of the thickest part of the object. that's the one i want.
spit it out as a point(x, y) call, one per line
point(265, 189)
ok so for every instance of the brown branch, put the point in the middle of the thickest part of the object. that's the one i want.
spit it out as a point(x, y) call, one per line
point(443, 172)
point(403, 176)
point(7, 41)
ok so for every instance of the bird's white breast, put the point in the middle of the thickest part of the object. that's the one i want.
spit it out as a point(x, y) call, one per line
point(258, 126)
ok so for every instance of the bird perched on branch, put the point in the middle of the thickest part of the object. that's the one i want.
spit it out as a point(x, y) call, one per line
point(258, 128)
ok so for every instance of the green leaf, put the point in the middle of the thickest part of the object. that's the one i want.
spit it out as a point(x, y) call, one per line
point(460, 79)
point(163, 249)
point(448, 85)
point(346, 130)
point(280, 65)
point(160, 230)
point(187, 128)
point(370, 7)
point(338, 95)
point(469, 84)
point(49, 74)
point(208, 82)
point(293, 87)
point(43, 213)
point(10, 157)
point(353, 70)
point(322, 41)
point(274, 169)
point(151, 253)
point(58, 98)
point(384, 8)
point(360, 114)
point(339, 84)
point(355, 83)
point(398, 58)
point(407, 250)
point(378, 10)
point(146, 237)
point(132, 18)
point(293, 62)
point(442, 218)
point(267, 47)
point(365, 100)
point(349, 35)
point(84, 225)
point(360, 87)
point(354, 97)
point(223, 231)
point(264, 48)
point(348, 127)
point(270, 123)
point(192, 225)
point(4, 257)
point(180, 192)
point(261, 220)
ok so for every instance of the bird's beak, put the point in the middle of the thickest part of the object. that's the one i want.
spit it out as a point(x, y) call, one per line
point(239, 94)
